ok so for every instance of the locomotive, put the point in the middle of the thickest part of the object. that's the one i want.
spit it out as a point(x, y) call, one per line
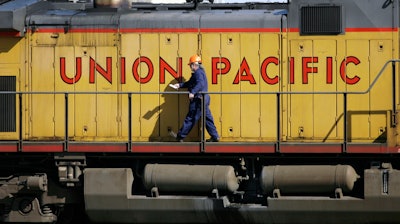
point(304, 94)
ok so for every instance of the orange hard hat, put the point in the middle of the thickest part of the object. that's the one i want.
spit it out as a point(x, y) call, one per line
point(194, 58)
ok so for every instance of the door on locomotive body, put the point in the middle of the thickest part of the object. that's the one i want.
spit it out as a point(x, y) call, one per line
point(308, 73)
point(157, 59)
point(368, 114)
point(173, 108)
point(106, 81)
point(317, 66)
point(380, 95)
point(42, 79)
point(246, 63)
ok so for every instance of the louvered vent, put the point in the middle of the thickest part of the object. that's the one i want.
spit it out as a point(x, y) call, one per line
point(7, 104)
point(321, 20)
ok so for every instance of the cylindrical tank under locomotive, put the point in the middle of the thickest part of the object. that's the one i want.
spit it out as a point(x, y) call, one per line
point(304, 96)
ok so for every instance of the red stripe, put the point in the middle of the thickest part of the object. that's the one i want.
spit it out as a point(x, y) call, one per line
point(97, 148)
point(242, 30)
point(310, 148)
point(366, 29)
point(190, 30)
point(159, 30)
point(76, 30)
point(9, 148)
point(371, 149)
point(195, 148)
point(42, 147)
point(176, 148)
point(10, 34)
point(356, 29)
point(241, 148)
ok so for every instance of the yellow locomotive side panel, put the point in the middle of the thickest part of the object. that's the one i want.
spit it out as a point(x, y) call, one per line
point(248, 77)
point(106, 80)
point(234, 62)
point(211, 50)
point(148, 76)
point(230, 103)
point(186, 48)
point(130, 45)
point(325, 112)
point(10, 56)
point(85, 104)
point(381, 51)
point(41, 106)
point(69, 72)
point(358, 105)
point(301, 80)
point(270, 69)
point(339, 64)
point(169, 104)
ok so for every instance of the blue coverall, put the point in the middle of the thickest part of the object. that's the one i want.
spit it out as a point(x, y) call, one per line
point(197, 83)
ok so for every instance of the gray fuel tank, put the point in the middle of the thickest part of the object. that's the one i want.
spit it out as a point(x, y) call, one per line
point(308, 178)
point(190, 178)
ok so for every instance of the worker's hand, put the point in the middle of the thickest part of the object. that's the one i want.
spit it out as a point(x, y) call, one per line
point(191, 96)
point(175, 86)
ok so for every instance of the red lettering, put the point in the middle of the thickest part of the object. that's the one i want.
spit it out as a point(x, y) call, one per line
point(216, 63)
point(96, 67)
point(292, 70)
point(135, 68)
point(343, 72)
point(164, 66)
point(78, 72)
point(329, 68)
point(244, 67)
point(219, 66)
point(263, 71)
point(123, 74)
point(306, 69)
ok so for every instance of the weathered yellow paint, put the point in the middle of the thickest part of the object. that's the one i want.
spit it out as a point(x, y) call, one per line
point(380, 52)
point(149, 47)
point(60, 86)
point(188, 46)
point(325, 106)
point(130, 45)
point(301, 126)
point(250, 104)
point(106, 104)
point(358, 105)
point(169, 107)
point(85, 104)
point(269, 47)
point(211, 47)
point(41, 107)
point(230, 103)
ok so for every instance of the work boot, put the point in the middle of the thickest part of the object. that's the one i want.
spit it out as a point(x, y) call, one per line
point(212, 140)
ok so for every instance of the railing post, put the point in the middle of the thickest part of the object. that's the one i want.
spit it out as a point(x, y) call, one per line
point(66, 123)
point(278, 123)
point(344, 123)
point(203, 121)
point(20, 141)
point(394, 120)
point(129, 122)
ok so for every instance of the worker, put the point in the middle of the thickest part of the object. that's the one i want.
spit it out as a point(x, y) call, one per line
point(196, 84)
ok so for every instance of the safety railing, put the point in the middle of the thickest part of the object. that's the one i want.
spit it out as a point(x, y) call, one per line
point(203, 129)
